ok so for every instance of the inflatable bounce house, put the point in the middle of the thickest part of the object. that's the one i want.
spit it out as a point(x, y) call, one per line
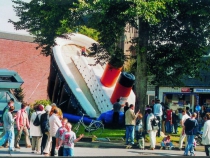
point(78, 85)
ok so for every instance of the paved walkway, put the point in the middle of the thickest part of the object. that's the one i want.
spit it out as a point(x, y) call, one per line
point(84, 149)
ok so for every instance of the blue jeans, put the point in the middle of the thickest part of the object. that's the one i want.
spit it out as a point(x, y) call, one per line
point(159, 118)
point(168, 127)
point(10, 136)
point(68, 152)
point(163, 145)
point(130, 134)
point(175, 127)
point(189, 146)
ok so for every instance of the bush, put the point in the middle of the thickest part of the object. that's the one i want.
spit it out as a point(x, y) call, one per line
point(37, 102)
point(19, 94)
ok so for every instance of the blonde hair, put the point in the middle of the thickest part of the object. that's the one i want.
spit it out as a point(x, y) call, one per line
point(52, 109)
point(69, 126)
point(208, 116)
point(60, 114)
point(140, 116)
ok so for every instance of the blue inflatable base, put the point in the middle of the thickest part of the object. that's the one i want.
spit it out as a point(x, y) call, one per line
point(74, 118)
point(106, 117)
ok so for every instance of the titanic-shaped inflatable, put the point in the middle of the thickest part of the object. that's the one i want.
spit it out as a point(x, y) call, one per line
point(77, 86)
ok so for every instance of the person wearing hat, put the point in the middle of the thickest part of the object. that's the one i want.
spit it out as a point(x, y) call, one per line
point(45, 128)
point(35, 131)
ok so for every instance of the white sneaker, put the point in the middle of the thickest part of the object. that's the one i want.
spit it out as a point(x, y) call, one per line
point(12, 150)
point(171, 147)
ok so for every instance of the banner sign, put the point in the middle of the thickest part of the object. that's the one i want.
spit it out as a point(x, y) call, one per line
point(185, 89)
point(198, 90)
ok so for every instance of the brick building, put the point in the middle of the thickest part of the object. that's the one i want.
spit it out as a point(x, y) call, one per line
point(19, 53)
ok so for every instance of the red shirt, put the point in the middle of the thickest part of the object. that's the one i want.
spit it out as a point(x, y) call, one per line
point(169, 115)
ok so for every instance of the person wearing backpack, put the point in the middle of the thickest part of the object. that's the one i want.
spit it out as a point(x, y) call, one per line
point(151, 129)
point(45, 128)
point(158, 112)
point(35, 129)
point(190, 129)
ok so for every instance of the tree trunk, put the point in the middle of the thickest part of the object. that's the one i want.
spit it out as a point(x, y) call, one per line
point(141, 73)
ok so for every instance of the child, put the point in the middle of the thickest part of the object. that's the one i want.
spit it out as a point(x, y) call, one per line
point(138, 125)
point(67, 140)
point(140, 140)
point(83, 51)
point(59, 135)
point(166, 142)
point(139, 132)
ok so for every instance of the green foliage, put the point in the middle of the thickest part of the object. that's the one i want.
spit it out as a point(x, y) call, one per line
point(110, 19)
point(37, 102)
point(19, 94)
point(118, 58)
point(48, 19)
point(92, 33)
point(173, 34)
point(179, 41)
point(130, 66)
point(43, 102)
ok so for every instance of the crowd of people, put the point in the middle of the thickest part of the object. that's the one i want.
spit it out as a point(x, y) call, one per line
point(48, 130)
point(52, 131)
point(160, 120)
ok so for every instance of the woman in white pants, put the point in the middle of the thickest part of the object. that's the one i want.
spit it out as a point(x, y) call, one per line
point(182, 134)
point(35, 131)
point(150, 130)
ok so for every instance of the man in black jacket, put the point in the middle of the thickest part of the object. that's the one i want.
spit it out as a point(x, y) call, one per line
point(45, 128)
point(191, 128)
point(115, 118)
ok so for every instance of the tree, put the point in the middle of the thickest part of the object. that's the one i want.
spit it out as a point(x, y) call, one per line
point(19, 94)
point(48, 19)
point(173, 34)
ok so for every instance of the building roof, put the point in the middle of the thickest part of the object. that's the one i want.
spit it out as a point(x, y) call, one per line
point(16, 37)
point(19, 53)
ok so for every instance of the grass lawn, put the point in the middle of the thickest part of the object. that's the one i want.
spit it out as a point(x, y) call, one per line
point(118, 134)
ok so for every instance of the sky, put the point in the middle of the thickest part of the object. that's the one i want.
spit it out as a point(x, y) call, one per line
point(6, 13)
